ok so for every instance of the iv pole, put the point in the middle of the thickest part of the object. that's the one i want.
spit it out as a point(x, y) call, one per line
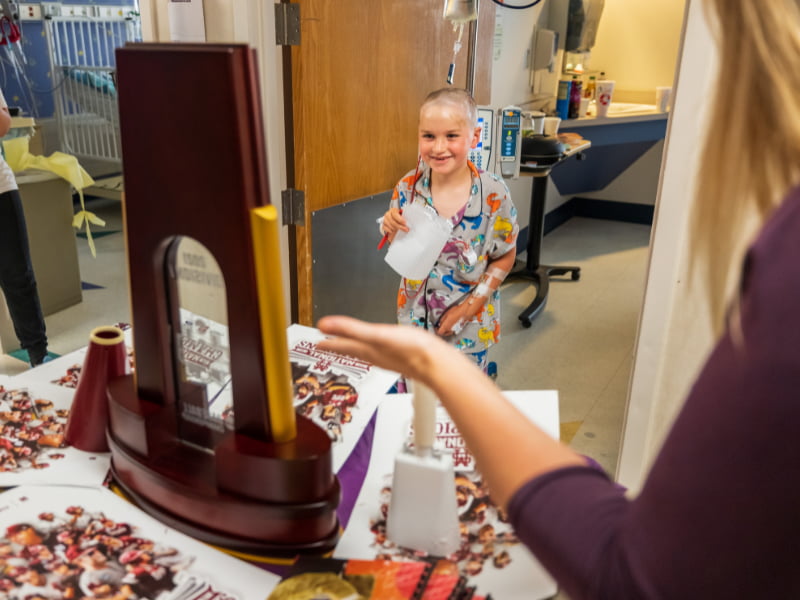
point(461, 12)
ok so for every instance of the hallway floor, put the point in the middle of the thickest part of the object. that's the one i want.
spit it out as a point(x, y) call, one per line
point(581, 344)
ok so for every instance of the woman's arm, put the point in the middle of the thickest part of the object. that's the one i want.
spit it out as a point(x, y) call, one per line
point(490, 425)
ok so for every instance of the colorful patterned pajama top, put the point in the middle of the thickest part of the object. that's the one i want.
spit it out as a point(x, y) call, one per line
point(483, 230)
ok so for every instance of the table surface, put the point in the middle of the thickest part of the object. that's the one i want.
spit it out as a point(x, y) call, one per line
point(540, 406)
point(615, 119)
point(365, 473)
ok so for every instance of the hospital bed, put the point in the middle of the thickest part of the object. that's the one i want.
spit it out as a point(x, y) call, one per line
point(83, 67)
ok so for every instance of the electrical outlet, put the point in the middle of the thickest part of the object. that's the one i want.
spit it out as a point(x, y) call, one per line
point(30, 12)
point(51, 9)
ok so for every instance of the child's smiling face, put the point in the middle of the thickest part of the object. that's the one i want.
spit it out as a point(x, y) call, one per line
point(445, 137)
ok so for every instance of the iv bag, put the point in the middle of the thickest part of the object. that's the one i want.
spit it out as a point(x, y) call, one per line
point(460, 11)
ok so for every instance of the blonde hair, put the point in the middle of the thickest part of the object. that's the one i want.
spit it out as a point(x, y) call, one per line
point(458, 97)
point(753, 138)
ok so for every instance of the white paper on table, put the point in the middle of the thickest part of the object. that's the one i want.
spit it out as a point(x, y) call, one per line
point(205, 354)
point(100, 537)
point(521, 576)
point(33, 417)
point(338, 393)
point(65, 370)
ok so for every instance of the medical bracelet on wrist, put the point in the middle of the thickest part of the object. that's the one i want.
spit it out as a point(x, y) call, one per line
point(484, 288)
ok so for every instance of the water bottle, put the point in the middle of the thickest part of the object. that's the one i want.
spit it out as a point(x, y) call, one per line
point(575, 95)
point(563, 97)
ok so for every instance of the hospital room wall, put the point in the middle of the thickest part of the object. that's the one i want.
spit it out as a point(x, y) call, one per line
point(674, 333)
point(673, 336)
point(511, 77)
point(646, 59)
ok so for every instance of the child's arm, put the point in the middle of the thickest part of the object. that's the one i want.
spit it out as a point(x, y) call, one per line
point(459, 314)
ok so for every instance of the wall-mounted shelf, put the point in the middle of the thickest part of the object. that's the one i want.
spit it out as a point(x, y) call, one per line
point(43, 10)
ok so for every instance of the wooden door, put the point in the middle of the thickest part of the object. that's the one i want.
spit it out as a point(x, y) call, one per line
point(358, 76)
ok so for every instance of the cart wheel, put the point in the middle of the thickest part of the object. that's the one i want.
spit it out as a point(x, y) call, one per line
point(576, 275)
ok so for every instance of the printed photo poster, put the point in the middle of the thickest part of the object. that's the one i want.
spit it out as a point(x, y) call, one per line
point(65, 370)
point(86, 543)
point(206, 358)
point(339, 393)
point(490, 555)
point(33, 419)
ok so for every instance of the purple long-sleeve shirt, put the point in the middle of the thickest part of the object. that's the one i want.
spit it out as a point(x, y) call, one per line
point(719, 513)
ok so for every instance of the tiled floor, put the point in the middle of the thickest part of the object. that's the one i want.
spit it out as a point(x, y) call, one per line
point(581, 344)
point(69, 329)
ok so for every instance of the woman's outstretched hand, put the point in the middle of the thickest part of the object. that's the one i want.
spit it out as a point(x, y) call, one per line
point(407, 350)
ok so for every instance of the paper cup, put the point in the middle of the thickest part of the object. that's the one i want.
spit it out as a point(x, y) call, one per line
point(412, 254)
point(551, 125)
point(537, 121)
point(605, 90)
point(663, 95)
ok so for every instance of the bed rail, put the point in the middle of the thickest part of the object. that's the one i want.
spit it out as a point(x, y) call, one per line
point(83, 67)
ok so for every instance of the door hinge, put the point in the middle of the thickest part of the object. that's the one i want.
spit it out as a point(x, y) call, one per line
point(293, 203)
point(287, 24)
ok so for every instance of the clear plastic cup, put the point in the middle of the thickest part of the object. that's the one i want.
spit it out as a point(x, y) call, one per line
point(412, 254)
point(551, 125)
point(537, 121)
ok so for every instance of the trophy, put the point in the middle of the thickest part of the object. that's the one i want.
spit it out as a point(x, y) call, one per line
point(203, 434)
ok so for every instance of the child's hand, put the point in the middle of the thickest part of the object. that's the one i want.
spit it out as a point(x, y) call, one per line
point(393, 221)
point(458, 315)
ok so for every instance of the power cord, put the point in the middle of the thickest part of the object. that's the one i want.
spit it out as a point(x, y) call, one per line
point(516, 7)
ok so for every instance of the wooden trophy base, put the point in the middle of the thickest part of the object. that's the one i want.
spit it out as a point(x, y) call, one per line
point(245, 495)
point(260, 549)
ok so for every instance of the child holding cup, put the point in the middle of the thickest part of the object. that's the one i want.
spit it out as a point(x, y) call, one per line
point(459, 298)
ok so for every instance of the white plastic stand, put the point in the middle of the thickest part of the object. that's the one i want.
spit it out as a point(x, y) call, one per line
point(423, 512)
